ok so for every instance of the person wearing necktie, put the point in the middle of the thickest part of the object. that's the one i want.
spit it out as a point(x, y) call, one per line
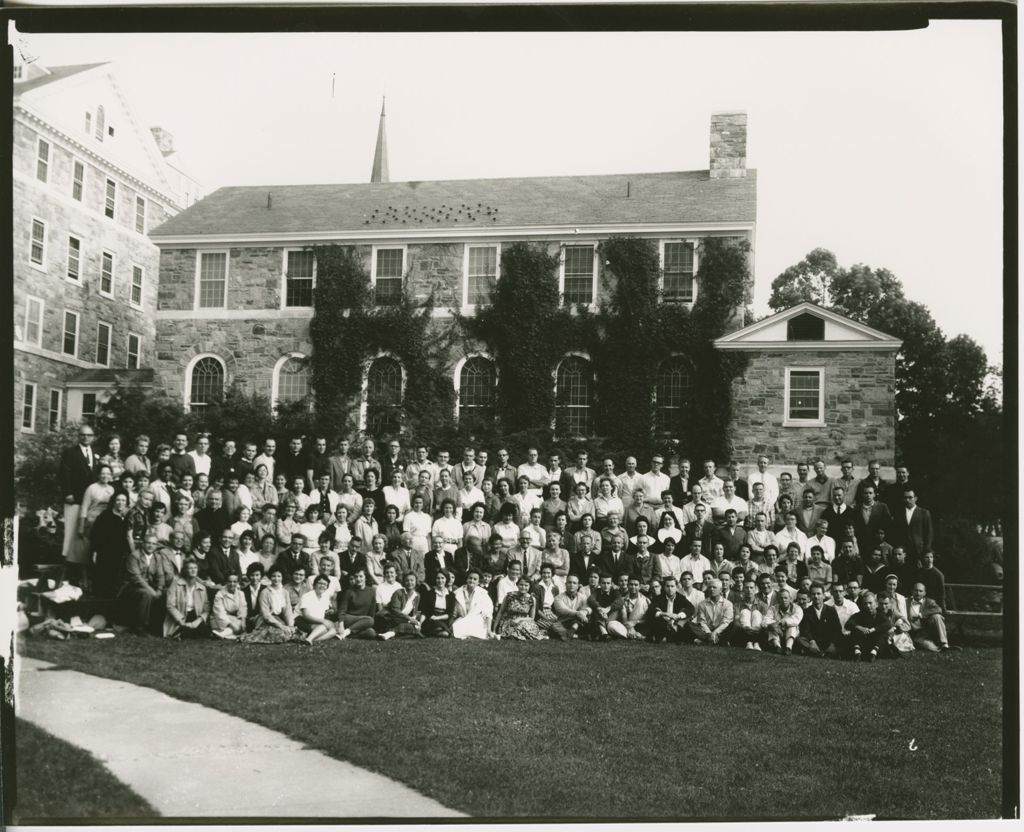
point(77, 471)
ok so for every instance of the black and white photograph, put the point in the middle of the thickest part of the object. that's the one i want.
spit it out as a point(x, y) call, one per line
point(564, 422)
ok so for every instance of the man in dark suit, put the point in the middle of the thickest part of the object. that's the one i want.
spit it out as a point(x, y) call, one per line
point(615, 560)
point(808, 514)
point(869, 516)
point(893, 495)
point(912, 527)
point(77, 472)
point(742, 486)
point(700, 529)
point(669, 614)
point(181, 461)
point(681, 483)
point(838, 514)
point(821, 633)
point(873, 479)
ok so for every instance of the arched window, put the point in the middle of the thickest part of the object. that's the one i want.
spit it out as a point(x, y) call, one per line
point(291, 379)
point(384, 397)
point(206, 384)
point(670, 391)
point(101, 123)
point(477, 392)
point(573, 397)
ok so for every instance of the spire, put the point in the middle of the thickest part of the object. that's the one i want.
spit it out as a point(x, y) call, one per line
point(380, 153)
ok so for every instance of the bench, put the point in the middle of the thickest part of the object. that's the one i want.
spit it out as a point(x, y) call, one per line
point(975, 606)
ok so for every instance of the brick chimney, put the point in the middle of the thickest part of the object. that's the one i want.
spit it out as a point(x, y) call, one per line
point(164, 140)
point(728, 145)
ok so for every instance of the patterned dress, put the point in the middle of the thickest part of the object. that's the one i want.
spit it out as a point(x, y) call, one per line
point(517, 621)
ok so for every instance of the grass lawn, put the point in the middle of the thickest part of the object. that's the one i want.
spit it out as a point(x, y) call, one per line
point(59, 781)
point(575, 730)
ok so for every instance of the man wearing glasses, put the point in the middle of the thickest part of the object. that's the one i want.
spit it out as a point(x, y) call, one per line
point(77, 472)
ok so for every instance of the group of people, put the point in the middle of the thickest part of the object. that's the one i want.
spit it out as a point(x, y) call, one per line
point(259, 545)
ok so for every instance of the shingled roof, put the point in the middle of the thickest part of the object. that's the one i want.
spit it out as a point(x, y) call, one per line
point(680, 197)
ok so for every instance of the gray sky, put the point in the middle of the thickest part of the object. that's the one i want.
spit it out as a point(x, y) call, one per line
point(884, 147)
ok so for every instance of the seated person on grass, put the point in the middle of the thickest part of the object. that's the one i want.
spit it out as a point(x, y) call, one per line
point(356, 608)
point(296, 587)
point(474, 609)
point(326, 567)
point(403, 616)
point(927, 625)
point(668, 614)
point(748, 616)
point(315, 613)
point(188, 605)
point(437, 606)
point(601, 604)
point(868, 628)
point(712, 622)
point(228, 618)
point(570, 609)
point(820, 630)
point(782, 622)
point(629, 619)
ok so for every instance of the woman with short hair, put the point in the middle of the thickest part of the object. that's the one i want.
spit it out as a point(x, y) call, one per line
point(275, 624)
point(230, 611)
point(188, 604)
point(315, 611)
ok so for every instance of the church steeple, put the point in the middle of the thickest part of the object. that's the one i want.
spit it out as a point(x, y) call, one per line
point(380, 153)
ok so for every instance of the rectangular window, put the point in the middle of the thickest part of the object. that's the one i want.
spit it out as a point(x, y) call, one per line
point(77, 180)
point(578, 284)
point(43, 161)
point(38, 248)
point(56, 402)
point(481, 274)
point(70, 345)
point(88, 408)
point(213, 279)
point(805, 399)
point(140, 214)
point(34, 321)
point(103, 344)
point(678, 272)
point(88, 122)
point(111, 199)
point(136, 291)
point(134, 351)
point(107, 274)
point(389, 269)
point(74, 259)
point(298, 279)
point(28, 407)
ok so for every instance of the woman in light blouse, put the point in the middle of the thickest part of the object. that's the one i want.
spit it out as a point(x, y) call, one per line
point(113, 456)
point(578, 505)
point(340, 528)
point(276, 623)
point(448, 527)
point(397, 495)
point(476, 526)
point(263, 490)
point(230, 610)
point(607, 502)
point(506, 528)
point(418, 523)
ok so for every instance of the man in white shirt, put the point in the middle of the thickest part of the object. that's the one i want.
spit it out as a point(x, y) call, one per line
point(580, 472)
point(629, 481)
point(727, 501)
point(323, 493)
point(791, 534)
point(536, 473)
point(850, 484)
point(421, 463)
point(758, 504)
point(688, 590)
point(695, 563)
point(267, 458)
point(844, 606)
point(689, 510)
point(654, 482)
point(821, 538)
point(201, 458)
point(710, 483)
point(607, 470)
point(767, 479)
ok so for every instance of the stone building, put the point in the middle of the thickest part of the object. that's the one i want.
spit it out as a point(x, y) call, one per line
point(89, 184)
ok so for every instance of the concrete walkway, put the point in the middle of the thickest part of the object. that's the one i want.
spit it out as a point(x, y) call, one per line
point(190, 761)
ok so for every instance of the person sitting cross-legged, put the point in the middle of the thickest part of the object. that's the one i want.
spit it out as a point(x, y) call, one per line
point(712, 621)
point(315, 612)
point(403, 616)
point(820, 630)
point(669, 613)
point(629, 619)
point(748, 617)
point(601, 603)
point(927, 625)
point(570, 609)
point(868, 628)
point(782, 622)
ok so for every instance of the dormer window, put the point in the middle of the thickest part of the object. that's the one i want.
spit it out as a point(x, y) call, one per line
point(805, 327)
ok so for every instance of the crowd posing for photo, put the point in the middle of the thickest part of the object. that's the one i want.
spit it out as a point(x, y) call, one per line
point(308, 544)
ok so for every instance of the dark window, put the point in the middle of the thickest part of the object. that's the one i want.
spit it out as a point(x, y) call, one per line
point(384, 397)
point(299, 279)
point(671, 389)
point(388, 276)
point(207, 384)
point(573, 397)
point(477, 392)
point(805, 327)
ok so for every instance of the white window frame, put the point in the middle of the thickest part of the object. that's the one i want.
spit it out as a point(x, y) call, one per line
point(110, 339)
point(140, 200)
point(64, 330)
point(227, 271)
point(95, 405)
point(38, 340)
point(661, 267)
point(106, 187)
point(275, 378)
point(77, 281)
point(561, 273)
point(188, 374)
point(128, 351)
point(654, 393)
point(75, 160)
point(468, 307)
point(28, 405)
point(554, 385)
point(142, 286)
point(40, 144)
point(41, 265)
point(365, 383)
point(804, 423)
point(113, 273)
point(457, 379)
point(373, 266)
point(284, 278)
point(50, 423)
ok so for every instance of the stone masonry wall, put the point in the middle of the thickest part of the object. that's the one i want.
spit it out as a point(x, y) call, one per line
point(859, 408)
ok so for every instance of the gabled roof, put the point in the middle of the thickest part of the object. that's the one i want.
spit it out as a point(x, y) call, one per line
point(56, 73)
point(841, 333)
point(638, 198)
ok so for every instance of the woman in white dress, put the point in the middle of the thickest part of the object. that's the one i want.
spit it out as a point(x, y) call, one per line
point(418, 523)
point(340, 528)
point(448, 527)
point(397, 494)
point(315, 610)
point(473, 609)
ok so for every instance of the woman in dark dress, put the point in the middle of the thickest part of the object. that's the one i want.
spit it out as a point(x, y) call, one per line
point(111, 541)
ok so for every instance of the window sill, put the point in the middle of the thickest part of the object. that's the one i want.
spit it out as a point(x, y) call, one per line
point(803, 423)
point(38, 267)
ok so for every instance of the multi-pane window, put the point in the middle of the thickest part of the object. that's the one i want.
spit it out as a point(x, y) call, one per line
point(140, 214)
point(77, 180)
point(110, 202)
point(56, 400)
point(678, 272)
point(573, 397)
point(578, 286)
point(213, 279)
point(101, 123)
point(481, 274)
point(134, 351)
point(88, 408)
point(477, 392)
point(43, 161)
point(671, 388)
point(804, 395)
point(38, 247)
point(34, 321)
point(106, 273)
point(74, 259)
point(390, 268)
point(384, 397)
point(103, 344)
point(298, 279)
point(136, 290)
point(28, 406)
point(70, 342)
point(292, 380)
point(207, 384)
